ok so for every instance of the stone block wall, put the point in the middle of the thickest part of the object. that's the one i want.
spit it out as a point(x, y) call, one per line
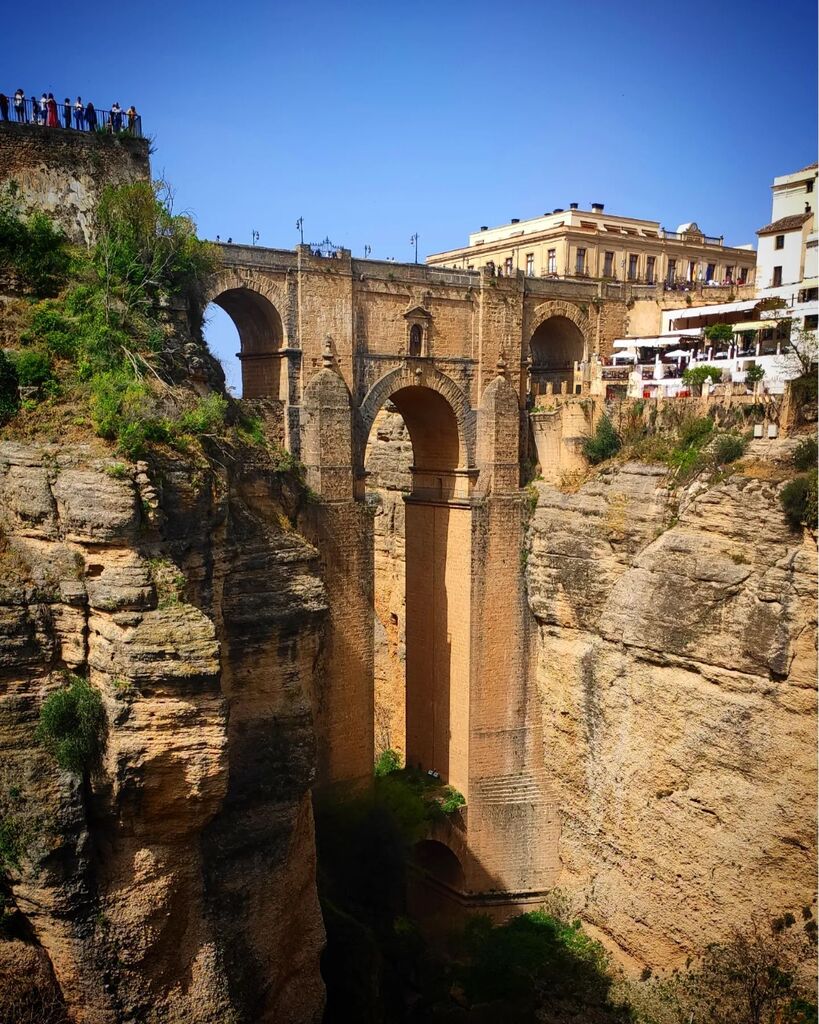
point(65, 172)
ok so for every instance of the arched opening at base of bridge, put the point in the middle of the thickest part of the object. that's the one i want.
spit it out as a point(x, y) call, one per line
point(244, 330)
point(422, 533)
point(555, 347)
point(435, 886)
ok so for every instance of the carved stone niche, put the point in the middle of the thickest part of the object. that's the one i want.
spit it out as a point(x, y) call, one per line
point(419, 321)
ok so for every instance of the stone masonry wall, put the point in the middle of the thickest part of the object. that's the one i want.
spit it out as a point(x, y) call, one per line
point(64, 172)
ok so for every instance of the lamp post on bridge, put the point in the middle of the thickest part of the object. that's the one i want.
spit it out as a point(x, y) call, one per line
point(414, 242)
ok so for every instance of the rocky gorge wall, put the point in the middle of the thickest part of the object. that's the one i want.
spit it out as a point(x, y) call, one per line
point(179, 885)
point(675, 653)
point(387, 463)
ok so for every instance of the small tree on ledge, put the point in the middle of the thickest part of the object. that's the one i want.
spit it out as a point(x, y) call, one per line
point(719, 332)
point(696, 376)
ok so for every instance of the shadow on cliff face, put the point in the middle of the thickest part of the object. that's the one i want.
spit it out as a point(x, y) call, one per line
point(381, 966)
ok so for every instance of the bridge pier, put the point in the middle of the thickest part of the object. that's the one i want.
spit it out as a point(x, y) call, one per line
point(352, 335)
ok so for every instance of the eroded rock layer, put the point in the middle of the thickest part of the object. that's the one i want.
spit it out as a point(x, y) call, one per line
point(179, 884)
point(676, 667)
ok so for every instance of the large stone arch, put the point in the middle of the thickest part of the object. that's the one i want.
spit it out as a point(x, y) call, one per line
point(258, 308)
point(424, 377)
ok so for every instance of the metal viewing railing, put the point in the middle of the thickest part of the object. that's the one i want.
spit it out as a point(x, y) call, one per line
point(70, 118)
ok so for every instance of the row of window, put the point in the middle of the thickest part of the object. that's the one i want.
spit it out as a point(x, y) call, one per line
point(692, 272)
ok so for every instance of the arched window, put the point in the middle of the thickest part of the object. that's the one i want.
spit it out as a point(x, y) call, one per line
point(415, 340)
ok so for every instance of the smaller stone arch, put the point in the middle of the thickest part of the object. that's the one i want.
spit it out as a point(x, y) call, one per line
point(560, 338)
point(438, 863)
point(557, 307)
point(257, 307)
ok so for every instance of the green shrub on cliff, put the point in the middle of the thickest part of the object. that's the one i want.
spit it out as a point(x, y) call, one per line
point(536, 960)
point(34, 370)
point(805, 454)
point(603, 444)
point(727, 448)
point(31, 247)
point(9, 397)
point(388, 761)
point(100, 338)
point(799, 501)
point(72, 726)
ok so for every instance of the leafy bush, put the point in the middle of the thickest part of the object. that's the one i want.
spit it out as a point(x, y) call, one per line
point(693, 433)
point(34, 370)
point(727, 448)
point(719, 332)
point(452, 800)
point(603, 444)
point(799, 501)
point(696, 376)
point(72, 726)
point(388, 761)
point(144, 248)
point(805, 454)
point(535, 960)
point(207, 417)
point(754, 374)
point(33, 247)
point(9, 396)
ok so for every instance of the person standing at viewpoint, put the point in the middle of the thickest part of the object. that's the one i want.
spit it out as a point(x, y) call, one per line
point(52, 117)
point(67, 112)
point(91, 117)
point(79, 115)
point(20, 106)
point(4, 106)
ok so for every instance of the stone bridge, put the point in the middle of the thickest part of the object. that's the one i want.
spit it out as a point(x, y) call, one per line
point(460, 354)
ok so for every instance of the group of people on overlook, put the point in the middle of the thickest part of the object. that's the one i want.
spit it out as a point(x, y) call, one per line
point(46, 112)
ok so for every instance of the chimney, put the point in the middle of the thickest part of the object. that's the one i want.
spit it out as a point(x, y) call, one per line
point(597, 207)
point(558, 209)
point(484, 227)
point(516, 220)
point(572, 206)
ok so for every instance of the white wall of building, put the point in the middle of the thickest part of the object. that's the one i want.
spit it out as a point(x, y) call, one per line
point(790, 258)
point(790, 193)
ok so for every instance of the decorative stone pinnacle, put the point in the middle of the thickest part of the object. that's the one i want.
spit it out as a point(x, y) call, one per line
point(501, 364)
point(327, 355)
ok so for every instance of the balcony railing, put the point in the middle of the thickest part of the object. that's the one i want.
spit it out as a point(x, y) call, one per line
point(684, 236)
point(31, 111)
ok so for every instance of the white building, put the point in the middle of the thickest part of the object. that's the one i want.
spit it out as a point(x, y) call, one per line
point(786, 261)
point(786, 270)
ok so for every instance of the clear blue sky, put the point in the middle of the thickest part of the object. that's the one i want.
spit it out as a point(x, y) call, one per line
point(375, 120)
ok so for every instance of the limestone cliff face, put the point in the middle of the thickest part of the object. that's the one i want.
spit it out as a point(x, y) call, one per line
point(180, 884)
point(676, 669)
